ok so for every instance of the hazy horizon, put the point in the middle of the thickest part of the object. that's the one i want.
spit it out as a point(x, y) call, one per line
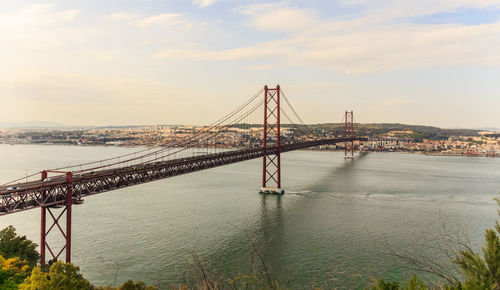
point(48, 125)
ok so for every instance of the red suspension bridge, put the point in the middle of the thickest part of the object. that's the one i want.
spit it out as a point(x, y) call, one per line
point(67, 186)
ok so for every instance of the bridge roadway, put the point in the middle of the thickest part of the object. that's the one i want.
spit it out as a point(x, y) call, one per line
point(53, 193)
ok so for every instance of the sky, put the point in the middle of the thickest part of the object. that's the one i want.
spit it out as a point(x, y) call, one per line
point(132, 62)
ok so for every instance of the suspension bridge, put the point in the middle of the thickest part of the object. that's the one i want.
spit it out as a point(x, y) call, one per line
point(67, 186)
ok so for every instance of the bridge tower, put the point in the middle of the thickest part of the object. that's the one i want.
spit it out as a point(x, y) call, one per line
point(349, 133)
point(271, 163)
point(68, 202)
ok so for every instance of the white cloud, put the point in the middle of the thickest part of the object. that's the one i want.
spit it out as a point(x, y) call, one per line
point(123, 16)
point(167, 19)
point(276, 17)
point(35, 26)
point(245, 53)
point(203, 3)
point(389, 10)
point(37, 15)
point(162, 19)
point(261, 67)
point(364, 44)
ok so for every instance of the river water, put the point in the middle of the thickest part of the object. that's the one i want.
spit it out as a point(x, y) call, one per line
point(336, 223)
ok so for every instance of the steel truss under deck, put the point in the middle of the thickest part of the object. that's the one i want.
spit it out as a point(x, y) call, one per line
point(55, 193)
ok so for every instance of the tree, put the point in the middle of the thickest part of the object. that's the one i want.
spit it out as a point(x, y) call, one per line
point(482, 272)
point(61, 276)
point(12, 245)
point(15, 265)
point(12, 272)
point(37, 280)
point(130, 285)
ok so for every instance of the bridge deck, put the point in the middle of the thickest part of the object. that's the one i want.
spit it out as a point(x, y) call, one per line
point(53, 193)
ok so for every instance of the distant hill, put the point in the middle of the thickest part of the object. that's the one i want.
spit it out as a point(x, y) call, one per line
point(119, 127)
point(419, 132)
point(375, 129)
point(489, 129)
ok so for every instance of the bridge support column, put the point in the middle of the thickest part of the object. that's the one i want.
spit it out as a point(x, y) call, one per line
point(271, 162)
point(43, 223)
point(56, 218)
point(349, 133)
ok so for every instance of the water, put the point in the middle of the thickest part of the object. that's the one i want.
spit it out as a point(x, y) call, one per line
point(336, 220)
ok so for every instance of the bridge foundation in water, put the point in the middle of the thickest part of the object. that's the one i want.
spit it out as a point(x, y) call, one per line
point(271, 190)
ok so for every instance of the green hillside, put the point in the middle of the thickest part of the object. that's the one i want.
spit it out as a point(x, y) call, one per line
point(376, 129)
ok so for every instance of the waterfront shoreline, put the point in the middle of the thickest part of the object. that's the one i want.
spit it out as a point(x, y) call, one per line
point(426, 153)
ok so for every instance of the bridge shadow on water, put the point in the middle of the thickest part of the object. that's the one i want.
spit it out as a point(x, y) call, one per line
point(280, 218)
point(339, 178)
point(261, 235)
point(269, 231)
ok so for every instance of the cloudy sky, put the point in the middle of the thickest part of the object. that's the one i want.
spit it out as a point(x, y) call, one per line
point(86, 62)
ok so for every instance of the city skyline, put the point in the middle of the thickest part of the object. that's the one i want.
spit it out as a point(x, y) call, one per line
point(189, 62)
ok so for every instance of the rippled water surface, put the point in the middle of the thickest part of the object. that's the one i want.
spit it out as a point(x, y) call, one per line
point(336, 220)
